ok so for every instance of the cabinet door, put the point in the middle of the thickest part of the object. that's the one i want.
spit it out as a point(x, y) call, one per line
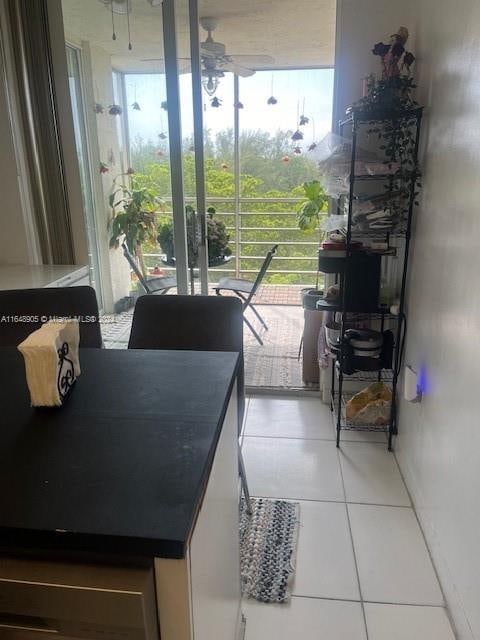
point(214, 548)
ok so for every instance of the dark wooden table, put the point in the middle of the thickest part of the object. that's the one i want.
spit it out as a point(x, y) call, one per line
point(122, 467)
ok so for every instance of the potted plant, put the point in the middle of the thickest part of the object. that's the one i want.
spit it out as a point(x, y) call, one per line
point(308, 218)
point(217, 236)
point(134, 218)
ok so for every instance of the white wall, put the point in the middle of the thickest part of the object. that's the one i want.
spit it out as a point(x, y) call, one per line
point(438, 446)
point(360, 24)
point(439, 443)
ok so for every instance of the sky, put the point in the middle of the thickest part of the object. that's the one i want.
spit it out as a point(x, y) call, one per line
point(306, 92)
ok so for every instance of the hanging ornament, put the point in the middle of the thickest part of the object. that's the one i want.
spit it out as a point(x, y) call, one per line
point(303, 121)
point(115, 110)
point(136, 106)
point(298, 135)
point(104, 167)
point(272, 99)
point(164, 105)
point(297, 150)
point(98, 108)
point(215, 102)
point(162, 136)
point(238, 105)
point(224, 166)
point(286, 159)
point(313, 145)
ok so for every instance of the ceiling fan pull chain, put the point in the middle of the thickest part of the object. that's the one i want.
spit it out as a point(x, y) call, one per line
point(128, 27)
point(114, 35)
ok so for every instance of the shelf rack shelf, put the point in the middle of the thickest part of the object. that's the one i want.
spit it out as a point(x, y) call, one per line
point(337, 401)
point(405, 180)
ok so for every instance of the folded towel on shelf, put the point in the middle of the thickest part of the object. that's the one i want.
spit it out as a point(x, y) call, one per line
point(51, 362)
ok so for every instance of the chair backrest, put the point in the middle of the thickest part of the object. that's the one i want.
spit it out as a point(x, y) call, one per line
point(25, 310)
point(133, 265)
point(197, 323)
point(262, 272)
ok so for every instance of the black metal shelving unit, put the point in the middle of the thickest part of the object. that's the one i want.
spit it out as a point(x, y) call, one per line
point(407, 180)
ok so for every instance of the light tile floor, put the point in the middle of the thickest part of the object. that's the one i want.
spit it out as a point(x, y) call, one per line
point(363, 571)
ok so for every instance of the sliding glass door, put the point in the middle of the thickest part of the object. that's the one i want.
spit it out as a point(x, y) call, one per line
point(84, 165)
point(137, 71)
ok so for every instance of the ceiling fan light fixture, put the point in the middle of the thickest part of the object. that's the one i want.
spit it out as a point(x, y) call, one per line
point(210, 84)
point(210, 80)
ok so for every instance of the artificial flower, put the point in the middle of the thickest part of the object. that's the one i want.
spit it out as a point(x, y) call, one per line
point(397, 49)
point(215, 102)
point(298, 135)
point(238, 105)
point(98, 108)
point(130, 171)
point(164, 105)
point(224, 166)
point(303, 121)
point(312, 147)
point(136, 106)
point(115, 110)
point(103, 167)
point(272, 100)
point(408, 59)
point(297, 150)
point(159, 153)
point(162, 136)
point(286, 159)
point(380, 49)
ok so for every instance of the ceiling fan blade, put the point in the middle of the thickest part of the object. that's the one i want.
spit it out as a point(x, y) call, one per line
point(251, 60)
point(236, 68)
point(206, 53)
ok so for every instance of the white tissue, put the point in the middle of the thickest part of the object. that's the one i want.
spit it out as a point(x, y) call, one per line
point(51, 361)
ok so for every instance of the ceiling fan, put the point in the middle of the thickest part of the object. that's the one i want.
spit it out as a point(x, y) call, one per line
point(216, 61)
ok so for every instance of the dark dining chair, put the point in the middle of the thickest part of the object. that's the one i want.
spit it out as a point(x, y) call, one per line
point(151, 285)
point(246, 290)
point(196, 323)
point(25, 310)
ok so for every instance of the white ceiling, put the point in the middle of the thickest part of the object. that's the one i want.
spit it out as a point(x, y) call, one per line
point(295, 34)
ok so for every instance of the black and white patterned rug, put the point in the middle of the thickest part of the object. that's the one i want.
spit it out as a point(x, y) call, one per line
point(268, 544)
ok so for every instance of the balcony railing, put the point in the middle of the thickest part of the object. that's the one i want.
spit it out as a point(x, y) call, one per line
point(255, 225)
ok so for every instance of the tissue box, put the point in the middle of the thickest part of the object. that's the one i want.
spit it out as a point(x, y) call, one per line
point(51, 362)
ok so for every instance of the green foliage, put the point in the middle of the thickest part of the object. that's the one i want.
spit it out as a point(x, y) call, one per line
point(137, 219)
point(308, 211)
point(217, 236)
point(263, 175)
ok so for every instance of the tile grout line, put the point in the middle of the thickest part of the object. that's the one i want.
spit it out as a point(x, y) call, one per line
point(445, 606)
point(363, 504)
point(381, 602)
point(353, 548)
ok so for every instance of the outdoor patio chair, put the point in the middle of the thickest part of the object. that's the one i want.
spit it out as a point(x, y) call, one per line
point(246, 290)
point(196, 323)
point(22, 311)
point(153, 285)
